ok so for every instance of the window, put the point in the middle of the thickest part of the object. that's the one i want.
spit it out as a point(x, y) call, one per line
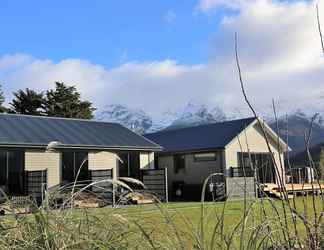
point(3, 168)
point(71, 163)
point(12, 171)
point(205, 157)
point(260, 162)
point(179, 163)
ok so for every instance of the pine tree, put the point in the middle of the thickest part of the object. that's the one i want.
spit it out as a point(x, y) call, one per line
point(65, 101)
point(27, 102)
point(2, 100)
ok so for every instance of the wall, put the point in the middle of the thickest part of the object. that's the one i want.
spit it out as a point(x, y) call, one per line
point(195, 172)
point(103, 160)
point(41, 160)
point(147, 160)
point(252, 139)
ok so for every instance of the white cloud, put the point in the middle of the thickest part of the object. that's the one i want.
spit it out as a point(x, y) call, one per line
point(207, 6)
point(169, 16)
point(279, 50)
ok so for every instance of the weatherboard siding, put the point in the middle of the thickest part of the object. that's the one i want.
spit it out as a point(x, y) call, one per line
point(102, 160)
point(251, 140)
point(42, 160)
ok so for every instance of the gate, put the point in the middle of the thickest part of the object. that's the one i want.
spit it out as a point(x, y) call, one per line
point(103, 189)
point(36, 184)
point(156, 182)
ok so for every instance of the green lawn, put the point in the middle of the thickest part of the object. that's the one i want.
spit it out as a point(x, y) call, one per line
point(182, 225)
point(221, 219)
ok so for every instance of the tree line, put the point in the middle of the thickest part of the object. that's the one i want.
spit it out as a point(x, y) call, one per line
point(61, 101)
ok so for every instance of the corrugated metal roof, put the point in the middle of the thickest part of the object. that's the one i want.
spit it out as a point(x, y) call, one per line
point(199, 138)
point(24, 130)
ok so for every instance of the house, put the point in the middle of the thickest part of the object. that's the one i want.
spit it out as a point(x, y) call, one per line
point(55, 148)
point(233, 149)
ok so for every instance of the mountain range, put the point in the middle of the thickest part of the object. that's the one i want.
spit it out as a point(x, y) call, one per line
point(194, 114)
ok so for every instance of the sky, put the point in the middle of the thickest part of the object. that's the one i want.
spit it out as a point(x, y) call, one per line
point(158, 55)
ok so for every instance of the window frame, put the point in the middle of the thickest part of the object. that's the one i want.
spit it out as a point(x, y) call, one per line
point(74, 167)
point(196, 159)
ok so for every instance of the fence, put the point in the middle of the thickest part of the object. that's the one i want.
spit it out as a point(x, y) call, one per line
point(238, 188)
point(102, 189)
point(155, 181)
point(36, 184)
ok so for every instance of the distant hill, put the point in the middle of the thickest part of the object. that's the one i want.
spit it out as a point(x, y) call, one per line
point(298, 125)
point(302, 158)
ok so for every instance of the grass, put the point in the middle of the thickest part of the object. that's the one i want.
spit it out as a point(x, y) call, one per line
point(187, 218)
point(250, 224)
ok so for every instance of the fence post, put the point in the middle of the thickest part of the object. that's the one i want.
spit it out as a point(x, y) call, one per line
point(166, 185)
point(113, 187)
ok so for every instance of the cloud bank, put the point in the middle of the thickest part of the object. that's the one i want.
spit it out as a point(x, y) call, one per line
point(279, 51)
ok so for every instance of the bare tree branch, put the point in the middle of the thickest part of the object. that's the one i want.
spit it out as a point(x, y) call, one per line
point(279, 177)
point(319, 27)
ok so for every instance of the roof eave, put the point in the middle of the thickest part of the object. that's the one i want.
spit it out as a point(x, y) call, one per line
point(75, 146)
point(190, 151)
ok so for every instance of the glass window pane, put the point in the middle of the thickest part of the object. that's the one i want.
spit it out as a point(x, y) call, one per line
point(71, 163)
point(179, 163)
point(205, 157)
point(16, 172)
point(81, 161)
point(68, 167)
point(3, 168)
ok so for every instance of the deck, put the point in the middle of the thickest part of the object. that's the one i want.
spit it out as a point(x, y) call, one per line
point(293, 189)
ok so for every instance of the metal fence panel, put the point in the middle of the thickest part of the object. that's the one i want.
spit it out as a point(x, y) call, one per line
point(102, 189)
point(36, 183)
point(155, 181)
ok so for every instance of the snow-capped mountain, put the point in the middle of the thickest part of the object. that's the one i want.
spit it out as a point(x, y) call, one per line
point(136, 120)
point(165, 121)
point(195, 114)
point(295, 125)
point(192, 114)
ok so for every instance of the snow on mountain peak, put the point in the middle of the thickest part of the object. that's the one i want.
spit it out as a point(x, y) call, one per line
point(192, 114)
point(136, 120)
point(195, 114)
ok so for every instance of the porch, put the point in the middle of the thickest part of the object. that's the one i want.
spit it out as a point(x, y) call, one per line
point(31, 172)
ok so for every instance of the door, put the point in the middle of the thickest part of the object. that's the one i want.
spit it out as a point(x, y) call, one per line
point(261, 163)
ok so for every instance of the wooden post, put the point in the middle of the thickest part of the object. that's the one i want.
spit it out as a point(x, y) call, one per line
point(299, 176)
point(113, 187)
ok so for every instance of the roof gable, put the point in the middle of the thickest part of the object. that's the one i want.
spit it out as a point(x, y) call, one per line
point(199, 138)
point(271, 135)
point(23, 130)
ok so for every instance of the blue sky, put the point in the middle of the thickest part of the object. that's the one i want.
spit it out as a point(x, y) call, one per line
point(107, 32)
point(159, 55)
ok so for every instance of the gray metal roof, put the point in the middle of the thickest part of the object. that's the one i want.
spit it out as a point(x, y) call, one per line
point(200, 138)
point(34, 131)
